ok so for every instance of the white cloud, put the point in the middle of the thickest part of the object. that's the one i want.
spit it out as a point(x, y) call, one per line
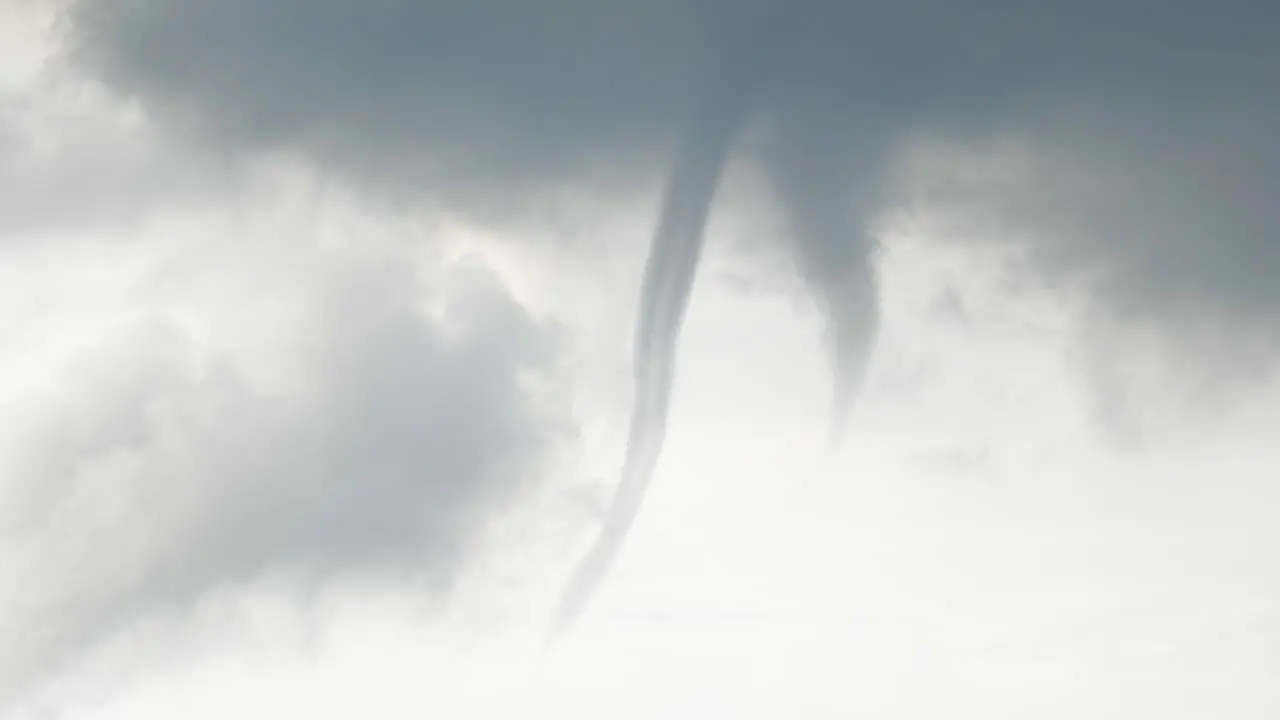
point(393, 416)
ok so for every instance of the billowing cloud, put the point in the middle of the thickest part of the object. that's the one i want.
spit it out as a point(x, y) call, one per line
point(114, 172)
point(75, 162)
point(160, 473)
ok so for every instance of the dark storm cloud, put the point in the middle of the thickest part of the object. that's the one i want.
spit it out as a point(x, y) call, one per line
point(165, 475)
point(462, 98)
point(480, 105)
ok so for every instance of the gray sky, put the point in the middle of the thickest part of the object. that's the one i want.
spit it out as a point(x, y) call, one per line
point(316, 322)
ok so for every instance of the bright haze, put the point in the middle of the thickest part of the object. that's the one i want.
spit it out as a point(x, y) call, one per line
point(820, 358)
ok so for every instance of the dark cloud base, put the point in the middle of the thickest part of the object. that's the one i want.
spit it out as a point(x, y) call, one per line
point(481, 105)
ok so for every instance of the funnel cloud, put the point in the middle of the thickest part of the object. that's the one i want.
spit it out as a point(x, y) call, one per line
point(668, 281)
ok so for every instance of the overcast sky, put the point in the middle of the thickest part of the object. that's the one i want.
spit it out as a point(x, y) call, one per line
point(326, 335)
